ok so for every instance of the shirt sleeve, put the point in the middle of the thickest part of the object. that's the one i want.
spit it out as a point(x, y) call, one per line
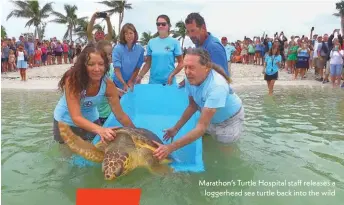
point(177, 49)
point(141, 59)
point(216, 98)
point(216, 54)
point(149, 50)
point(116, 57)
point(279, 59)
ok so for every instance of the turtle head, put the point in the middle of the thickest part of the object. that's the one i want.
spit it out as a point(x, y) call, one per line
point(113, 171)
point(114, 164)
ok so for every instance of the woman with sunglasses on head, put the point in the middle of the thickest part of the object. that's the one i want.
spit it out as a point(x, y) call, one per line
point(161, 54)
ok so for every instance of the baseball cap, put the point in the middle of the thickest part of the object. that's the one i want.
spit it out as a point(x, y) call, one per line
point(224, 38)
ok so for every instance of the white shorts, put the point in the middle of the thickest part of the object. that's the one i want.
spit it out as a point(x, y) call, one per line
point(229, 130)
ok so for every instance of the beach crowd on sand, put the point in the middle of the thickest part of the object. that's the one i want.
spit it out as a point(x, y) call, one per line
point(321, 54)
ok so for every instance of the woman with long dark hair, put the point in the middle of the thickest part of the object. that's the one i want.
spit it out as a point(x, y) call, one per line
point(84, 86)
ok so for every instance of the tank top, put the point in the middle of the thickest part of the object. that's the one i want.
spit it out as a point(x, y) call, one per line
point(88, 106)
point(20, 56)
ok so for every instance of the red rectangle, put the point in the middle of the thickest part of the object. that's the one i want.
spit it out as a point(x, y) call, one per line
point(108, 196)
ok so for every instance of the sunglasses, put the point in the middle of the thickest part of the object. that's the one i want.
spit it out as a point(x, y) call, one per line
point(161, 24)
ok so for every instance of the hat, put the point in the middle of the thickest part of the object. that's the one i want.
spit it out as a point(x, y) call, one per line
point(224, 39)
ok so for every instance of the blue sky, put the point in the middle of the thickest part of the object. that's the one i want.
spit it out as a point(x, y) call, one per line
point(233, 19)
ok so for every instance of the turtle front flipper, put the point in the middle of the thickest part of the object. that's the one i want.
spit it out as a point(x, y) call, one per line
point(78, 145)
point(115, 164)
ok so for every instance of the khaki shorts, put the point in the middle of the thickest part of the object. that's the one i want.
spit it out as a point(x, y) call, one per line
point(327, 69)
point(229, 130)
point(321, 62)
point(315, 61)
point(230, 68)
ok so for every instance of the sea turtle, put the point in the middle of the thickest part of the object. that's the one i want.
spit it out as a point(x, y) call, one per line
point(131, 148)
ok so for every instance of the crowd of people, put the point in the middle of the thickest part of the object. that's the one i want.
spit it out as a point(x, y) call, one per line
point(295, 55)
point(28, 52)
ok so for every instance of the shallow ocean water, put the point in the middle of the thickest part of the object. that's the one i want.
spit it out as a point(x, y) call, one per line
point(298, 134)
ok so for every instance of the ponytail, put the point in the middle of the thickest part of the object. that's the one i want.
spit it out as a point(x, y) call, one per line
point(220, 70)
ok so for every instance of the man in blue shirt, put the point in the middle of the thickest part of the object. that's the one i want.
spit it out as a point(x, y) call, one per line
point(197, 31)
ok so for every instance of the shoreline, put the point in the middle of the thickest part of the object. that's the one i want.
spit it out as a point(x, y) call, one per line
point(244, 76)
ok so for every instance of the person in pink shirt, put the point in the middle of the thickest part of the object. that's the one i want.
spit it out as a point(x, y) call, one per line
point(44, 53)
point(65, 51)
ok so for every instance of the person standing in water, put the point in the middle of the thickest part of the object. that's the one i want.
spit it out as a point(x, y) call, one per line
point(161, 54)
point(127, 57)
point(84, 86)
point(199, 35)
point(271, 66)
point(104, 107)
point(209, 91)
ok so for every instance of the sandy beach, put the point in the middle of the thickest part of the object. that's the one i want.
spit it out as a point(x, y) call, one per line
point(47, 78)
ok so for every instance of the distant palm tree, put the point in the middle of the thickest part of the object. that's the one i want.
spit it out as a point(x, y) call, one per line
point(31, 10)
point(340, 8)
point(146, 36)
point(117, 7)
point(81, 29)
point(71, 19)
point(3, 32)
point(41, 30)
point(180, 31)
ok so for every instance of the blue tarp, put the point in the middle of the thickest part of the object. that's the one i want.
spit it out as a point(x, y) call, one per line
point(157, 107)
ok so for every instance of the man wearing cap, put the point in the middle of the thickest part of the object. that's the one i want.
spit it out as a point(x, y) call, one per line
point(229, 51)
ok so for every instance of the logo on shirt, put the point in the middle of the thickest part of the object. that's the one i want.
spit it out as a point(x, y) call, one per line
point(167, 48)
point(88, 103)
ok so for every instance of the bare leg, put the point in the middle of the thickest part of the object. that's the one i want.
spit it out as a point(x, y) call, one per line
point(271, 87)
point(268, 83)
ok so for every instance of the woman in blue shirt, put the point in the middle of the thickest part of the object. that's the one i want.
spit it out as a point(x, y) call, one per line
point(222, 113)
point(161, 54)
point(271, 66)
point(84, 86)
point(127, 57)
point(302, 62)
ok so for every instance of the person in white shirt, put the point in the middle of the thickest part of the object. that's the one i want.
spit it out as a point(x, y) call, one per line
point(336, 62)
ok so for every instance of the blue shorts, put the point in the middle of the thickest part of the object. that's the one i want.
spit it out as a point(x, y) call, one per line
point(21, 64)
point(31, 52)
point(336, 69)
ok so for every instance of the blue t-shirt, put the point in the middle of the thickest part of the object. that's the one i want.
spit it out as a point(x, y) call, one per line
point(216, 51)
point(215, 92)
point(269, 44)
point(127, 61)
point(229, 51)
point(271, 64)
point(163, 52)
point(88, 106)
point(303, 53)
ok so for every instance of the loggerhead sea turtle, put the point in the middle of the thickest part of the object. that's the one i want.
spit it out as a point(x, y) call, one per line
point(131, 148)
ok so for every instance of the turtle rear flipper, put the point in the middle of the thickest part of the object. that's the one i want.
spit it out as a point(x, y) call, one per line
point(115, 164)
point(78, 145)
